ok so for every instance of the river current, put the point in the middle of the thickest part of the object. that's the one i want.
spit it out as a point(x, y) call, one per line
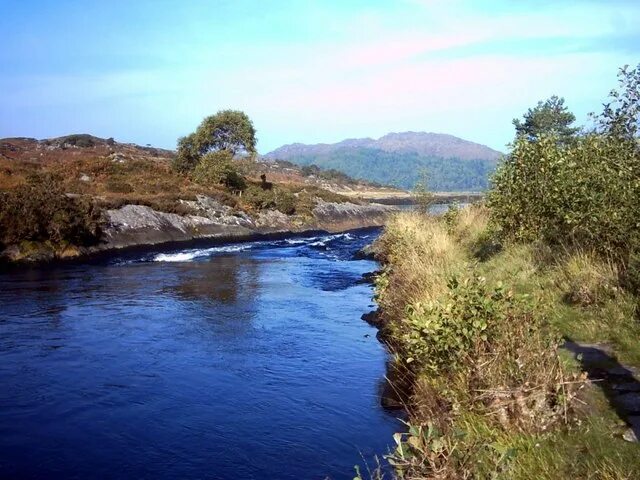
point(244, 361)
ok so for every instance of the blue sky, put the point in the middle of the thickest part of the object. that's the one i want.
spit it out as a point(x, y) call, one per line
point(305, 71)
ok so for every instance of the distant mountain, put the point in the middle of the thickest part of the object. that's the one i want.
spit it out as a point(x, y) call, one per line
point(453, 164)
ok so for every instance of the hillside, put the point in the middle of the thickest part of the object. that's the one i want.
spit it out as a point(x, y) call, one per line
point(98, 166)
point(453, 164)
point(73, 195)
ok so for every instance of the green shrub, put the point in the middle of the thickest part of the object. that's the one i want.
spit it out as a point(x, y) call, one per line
point(40, 211)
point(229, 131)
point(285, 202)
point(187, 156)
point(274, 198)
point(444, 332)
point(217, 168)
point(585, 194)
point(422, 196)
point(451, 216)
point(482, 349)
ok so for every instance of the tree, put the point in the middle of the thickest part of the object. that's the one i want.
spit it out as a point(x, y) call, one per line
point(421, 193)
point(584, 193)
point(550, 117)
point(228, 130)
point(620, 117)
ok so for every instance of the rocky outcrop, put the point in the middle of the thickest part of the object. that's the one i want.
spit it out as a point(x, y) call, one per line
point(344, 216)
point(139, 225)
point(133, 225)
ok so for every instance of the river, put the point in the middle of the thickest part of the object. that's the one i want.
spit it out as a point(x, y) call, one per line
point(245, 361)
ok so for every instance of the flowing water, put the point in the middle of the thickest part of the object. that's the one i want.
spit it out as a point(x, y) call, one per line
point(245, 361)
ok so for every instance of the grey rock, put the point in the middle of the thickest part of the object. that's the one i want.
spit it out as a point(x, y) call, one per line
point(141, 225)
point(350, 215)
point(221, 214)
point(630, 435)
point(373, 318)
point(117, 158)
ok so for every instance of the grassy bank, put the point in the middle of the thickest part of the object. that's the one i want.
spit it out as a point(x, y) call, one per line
point(499, 315)
point(477, 326)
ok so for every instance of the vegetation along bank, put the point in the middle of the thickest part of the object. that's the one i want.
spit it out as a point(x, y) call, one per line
point(79, 194)
point(514, 324)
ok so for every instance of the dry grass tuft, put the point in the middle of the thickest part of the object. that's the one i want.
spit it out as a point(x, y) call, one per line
point(586, 279)
point(421, 256)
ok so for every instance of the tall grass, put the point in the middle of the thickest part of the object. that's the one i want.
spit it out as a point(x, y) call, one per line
point(421, 255)
point(479, 330)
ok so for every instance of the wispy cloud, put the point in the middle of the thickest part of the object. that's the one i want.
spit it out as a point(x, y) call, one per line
point(310, 71)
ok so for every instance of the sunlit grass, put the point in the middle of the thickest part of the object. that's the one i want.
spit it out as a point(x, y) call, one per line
point(581, 297)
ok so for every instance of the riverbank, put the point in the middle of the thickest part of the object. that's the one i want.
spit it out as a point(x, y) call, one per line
point(78, 195)
point(408, 198)
point(139, 225)
point(478, 329)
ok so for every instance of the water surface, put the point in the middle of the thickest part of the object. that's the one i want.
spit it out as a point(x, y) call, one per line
point(245, 361)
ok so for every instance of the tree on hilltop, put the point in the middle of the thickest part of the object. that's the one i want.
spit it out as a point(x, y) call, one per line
point(228, 130)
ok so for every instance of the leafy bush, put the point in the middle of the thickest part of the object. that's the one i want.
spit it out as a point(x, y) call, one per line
point(187, 156)
point(451, 217)
point(442, 334)
point(276, 197)
point(40, 211)
point(582, 193)
point(422, 196)
point(471, 345)
point(586, 194)
point(216, 168)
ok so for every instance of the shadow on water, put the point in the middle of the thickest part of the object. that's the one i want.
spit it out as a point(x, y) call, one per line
point(396, 386)
point(619, 383)
point(228, 280)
